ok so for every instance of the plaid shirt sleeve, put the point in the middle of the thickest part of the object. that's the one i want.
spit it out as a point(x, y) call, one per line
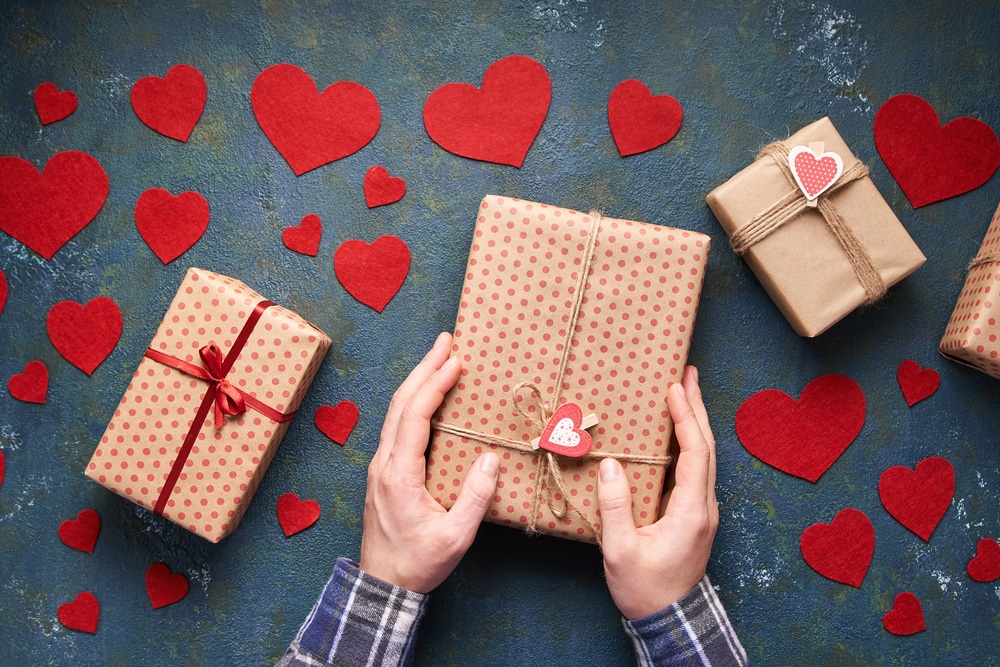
point(692, 631)
point(359, 620)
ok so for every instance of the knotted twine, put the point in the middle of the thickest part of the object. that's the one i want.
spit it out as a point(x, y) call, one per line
point(983, 260)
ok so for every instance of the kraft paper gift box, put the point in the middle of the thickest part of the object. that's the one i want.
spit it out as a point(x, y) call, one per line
point(208, 405)
point(578, 308)
point(972, 336)
point(817, 263)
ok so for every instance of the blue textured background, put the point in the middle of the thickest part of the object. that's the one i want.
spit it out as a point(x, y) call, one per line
point(745, 73)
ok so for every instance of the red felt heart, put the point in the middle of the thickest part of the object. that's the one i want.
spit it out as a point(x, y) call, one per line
point(803, 438)
point(639, 120)
point(906, 616)
point(43, 210)
point(85, 335)
point(918, 498)
point(916, 383)
point(81, 614)
point(931, 162)
point(497, 123)
point(984, 567)
point(32, 385)
point(52, 105)
point(173, 104)
point(163, 586)
point(304, 238)
point(842, 549)
point(81, 533)
point(310, 128)
point(170, 225)
point(3, 290)
point(563, 434)
point(372, 273)
point(381, 188)
point(296, 515)
point(337, 422)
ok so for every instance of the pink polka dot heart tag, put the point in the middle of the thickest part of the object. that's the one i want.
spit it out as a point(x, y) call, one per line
point(814, 174)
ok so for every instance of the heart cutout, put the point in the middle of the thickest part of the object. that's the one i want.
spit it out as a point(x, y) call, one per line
point(381, 188)
point(639, 120)
point(170, 225)
point(43, 210)
point(305, 237)
point(841, 550)
point(372, 274)
point(985, 566)
point(497, 123)
point(814, 174)
point(309, 128)
point(803, 438)
point(32, 385)
point(917, 383)
point(163, 586)
point(296, 515)
point(81, 614)
point(931, 162)
point(171, 105)
point(51, 105)
point(563, 433)
point(81, 533)
point(906, 616)
point(918, 498)
point(337, 422)
point(85, 335)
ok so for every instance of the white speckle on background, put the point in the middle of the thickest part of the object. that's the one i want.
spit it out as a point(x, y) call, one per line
point(570, 16)
point(116, 86)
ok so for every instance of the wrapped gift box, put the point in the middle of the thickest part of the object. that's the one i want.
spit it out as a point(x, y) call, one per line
point(817, 263)
point(595, 311)
point(208, 404)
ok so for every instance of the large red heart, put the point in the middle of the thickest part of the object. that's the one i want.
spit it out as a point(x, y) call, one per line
point(52, 105)
point(918, 498)
point(310, 128)
point(163, 586)
point(173, 104)
point(931, 162)
point(497, 123)
point(32, 385)
point(906, 616)
point(43, 210)
point(986, 564)
point(306, 237)
point(563, 433)
point(372, 274)
point(337, 422)
point(81, 614)
point(381, 188)
point(803, 438)
point(170, 225)
point(841, 550)
point(639, 120)
point(81, 533)
point(917, 383)
point(296, 515)
point(85, 335)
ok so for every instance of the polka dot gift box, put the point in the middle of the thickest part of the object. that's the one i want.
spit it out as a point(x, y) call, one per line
point(814, 228)
point(566, 319)
point(207, 407)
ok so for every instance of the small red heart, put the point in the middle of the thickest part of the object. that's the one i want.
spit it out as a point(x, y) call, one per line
point(296, 515)
point(81, 533)
point(906, 616)
point(52, 105)
point(639, 120)
point(381, 188)
point(81, 614)
point(85, 335)
point(171, 105)
point(163, 586)
point(43, 210)
point(337, 422)
point(841, 550)
point(984, 567)
point(32, 385)
point(918, 498)
point(170, 225)
point(3, 290)
point(372, 274)
point(931, 162)
point(306, 237)
point(497, 123)
point(916, 383)
point(309, 128)
point(563, 435)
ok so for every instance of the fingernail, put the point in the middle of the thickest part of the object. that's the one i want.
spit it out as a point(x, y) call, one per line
point(440, 342)
point(452, 361)
point(489, 464)
point(609, 470)
point(680, 390)
point(694, 373)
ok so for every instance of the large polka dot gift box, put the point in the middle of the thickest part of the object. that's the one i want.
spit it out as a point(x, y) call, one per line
point(566, 319)
point(208, 405)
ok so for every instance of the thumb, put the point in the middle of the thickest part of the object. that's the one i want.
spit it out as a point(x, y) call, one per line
point(615, 502)
point(476, 495)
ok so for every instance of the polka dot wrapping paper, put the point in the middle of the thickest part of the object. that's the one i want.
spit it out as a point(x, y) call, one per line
point(972, 336)
point(220, 471)
point(515, 331)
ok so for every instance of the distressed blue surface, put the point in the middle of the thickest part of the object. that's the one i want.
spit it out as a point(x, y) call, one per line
point(745, 73)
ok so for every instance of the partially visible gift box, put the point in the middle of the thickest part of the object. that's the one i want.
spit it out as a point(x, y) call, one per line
point(208, 405)
point(972, 336)
point(560, 306)
point(819, 253)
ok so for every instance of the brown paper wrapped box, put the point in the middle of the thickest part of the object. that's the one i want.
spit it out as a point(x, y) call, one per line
point(813, 276)
point(197, 420)
point(592, 310)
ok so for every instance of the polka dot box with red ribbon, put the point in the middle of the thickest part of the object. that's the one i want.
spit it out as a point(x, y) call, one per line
point(208, 405)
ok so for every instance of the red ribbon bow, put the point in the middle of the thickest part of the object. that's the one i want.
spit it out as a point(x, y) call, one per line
point(228, 399)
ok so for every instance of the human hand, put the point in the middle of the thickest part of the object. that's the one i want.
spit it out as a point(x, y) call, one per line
point(653, 566)
point(408, 538)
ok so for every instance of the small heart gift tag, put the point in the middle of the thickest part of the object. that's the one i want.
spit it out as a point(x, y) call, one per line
point(565, 433)
point(814, 170)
